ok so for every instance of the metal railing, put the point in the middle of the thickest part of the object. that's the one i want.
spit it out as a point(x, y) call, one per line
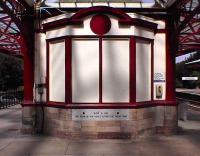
point(10, 97)
point(187, 102)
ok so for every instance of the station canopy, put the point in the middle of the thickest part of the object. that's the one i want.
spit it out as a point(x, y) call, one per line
point(9, 32)
point(12, 11)
point(187, 24)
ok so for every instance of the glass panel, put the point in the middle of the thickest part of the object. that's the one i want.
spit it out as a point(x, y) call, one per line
point(85, 70)
point(57, 71)
point(143, 71)
point(115, 70)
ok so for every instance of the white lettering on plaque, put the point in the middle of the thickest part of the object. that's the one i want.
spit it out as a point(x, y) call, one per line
point(100, 114)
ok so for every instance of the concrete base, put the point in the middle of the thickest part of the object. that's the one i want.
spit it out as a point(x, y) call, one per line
point(12, 143)
point(58, 122)
point(28, 120)
point(182, 110)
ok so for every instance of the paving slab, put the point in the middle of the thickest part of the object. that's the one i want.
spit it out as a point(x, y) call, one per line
point(88, 148)
point(12, 143)
point(45, 147)
point(46, 155)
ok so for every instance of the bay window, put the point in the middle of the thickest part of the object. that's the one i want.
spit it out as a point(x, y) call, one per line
point(97, 70)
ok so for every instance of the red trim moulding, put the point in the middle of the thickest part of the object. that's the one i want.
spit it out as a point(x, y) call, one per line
point(100, 69)
point(77, 19)
point(152, 70)
point(136, 105)
point(161, 31)
point(96, 36)
point(170, 64)
point(47, 66)
point(28, 73)
point(68, 68)
point(28, 77)
point(132, 73)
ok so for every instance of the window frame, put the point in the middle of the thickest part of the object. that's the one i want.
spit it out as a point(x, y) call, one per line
point(132, 69)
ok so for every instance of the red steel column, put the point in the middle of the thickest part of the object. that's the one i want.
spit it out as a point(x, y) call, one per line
point(171, 49)
point(27, 48)
point(28, 74)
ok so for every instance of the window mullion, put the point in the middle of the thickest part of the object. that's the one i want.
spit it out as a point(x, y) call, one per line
point(100, 70)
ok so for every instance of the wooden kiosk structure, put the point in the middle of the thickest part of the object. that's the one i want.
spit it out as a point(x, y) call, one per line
point(100, 69)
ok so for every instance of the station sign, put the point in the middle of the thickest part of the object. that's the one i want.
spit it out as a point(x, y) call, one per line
point(190, 78)
point(159, 77)
point(100, 114)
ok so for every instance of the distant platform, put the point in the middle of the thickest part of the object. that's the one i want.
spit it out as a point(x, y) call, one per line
point(189, 91)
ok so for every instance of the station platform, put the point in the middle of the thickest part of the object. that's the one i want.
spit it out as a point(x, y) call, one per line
point(12, 143)
point(190, 91)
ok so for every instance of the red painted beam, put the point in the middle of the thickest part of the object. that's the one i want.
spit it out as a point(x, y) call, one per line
point(188, 18)
point(25, 5)
point(11, 14)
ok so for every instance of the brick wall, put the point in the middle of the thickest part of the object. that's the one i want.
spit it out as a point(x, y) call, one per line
point(58, 122)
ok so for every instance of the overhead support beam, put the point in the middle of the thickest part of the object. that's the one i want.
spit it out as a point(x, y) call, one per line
point(188, 26)
point(188, 18)
point(11, 14)
point(16, 24)
point(24, 3)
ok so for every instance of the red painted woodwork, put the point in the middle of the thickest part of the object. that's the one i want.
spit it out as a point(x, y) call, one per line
point(28, 78)
point(152, 70)
point(100, 24)
point(77, 19)
point(68, 72)
point(170, 61)
point(28, 75)
point(105, 106)
point(132, 85)
point(139, 22)
point(100, 70)
point(132, 70)
point(170, 64)
point(47, 65)
point(95, 36)
point(161, 31)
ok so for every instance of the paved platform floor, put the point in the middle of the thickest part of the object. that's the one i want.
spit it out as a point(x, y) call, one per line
point(191, 91)
point(12, 143)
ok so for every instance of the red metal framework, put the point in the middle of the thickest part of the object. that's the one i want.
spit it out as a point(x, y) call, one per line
point(9, 36)
point(12, 33)
point(189, 26)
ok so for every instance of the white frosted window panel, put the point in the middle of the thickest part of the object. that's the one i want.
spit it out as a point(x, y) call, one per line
point(160, 61)
point(143, 71)
point(85, 71)
point(115, 53)
point(57, 71)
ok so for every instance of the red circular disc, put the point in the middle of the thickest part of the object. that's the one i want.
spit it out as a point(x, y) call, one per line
point(100, 24)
